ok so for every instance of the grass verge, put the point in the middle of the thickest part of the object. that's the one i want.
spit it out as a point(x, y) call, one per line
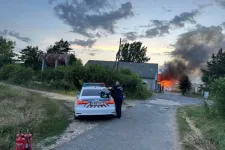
point(22, 110)
point(198, 132)
point(46, 87)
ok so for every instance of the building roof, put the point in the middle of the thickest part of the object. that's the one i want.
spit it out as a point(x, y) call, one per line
point(144, 70)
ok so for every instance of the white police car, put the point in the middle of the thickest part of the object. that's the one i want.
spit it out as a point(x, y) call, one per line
point(90, 103)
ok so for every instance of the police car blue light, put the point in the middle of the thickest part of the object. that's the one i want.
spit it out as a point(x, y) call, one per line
point(94, 84)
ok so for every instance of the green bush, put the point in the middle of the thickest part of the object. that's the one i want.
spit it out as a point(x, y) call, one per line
point(72, 77)
point(6, 71)
point(95, 73)
point(47, 75)
point(217, 92)
point(126, 71)
point(16, 73)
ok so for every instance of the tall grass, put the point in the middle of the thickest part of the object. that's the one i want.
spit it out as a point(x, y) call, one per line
point(211, 126)
point(22, 110)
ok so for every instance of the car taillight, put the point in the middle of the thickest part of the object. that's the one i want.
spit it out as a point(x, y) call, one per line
point(110, 102)
point(81, 102)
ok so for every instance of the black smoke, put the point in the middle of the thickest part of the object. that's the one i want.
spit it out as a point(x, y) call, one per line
point(173, 70)
point(192, 50)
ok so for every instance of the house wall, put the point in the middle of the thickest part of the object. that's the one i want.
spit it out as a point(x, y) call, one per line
point(151, 83)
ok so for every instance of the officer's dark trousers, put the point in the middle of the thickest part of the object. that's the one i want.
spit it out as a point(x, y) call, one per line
point(118, 103)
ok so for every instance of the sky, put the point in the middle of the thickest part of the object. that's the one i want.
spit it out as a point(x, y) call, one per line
point(94, 27)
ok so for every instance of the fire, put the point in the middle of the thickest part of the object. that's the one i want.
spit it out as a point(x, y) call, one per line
point(166, 82)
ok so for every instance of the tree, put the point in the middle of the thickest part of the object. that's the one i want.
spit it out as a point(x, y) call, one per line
point(29, 56)
point(185, 84)
point(134, 52)
point(215, 68)
point(59, 47)
point(6, 51)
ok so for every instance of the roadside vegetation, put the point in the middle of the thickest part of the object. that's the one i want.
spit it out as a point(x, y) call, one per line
point(196, 131)
point(68, 79)
point(44, 117)
point(184, 84)
point(207, 119)
point(21, 110)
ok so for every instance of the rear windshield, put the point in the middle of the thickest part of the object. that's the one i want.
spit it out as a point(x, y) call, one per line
point(91, 92)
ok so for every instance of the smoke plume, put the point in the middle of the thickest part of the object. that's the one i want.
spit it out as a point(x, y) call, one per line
point(173, 70)
point(192, 51)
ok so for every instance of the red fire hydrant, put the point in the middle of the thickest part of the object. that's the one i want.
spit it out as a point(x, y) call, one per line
point(23, 142)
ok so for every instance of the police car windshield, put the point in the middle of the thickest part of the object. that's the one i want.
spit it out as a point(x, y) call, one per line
point(91, 92)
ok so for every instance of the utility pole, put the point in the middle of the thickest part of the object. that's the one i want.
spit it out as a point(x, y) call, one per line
point(116, 65)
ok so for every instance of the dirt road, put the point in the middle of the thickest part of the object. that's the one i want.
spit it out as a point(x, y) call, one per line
point(150, 125)
point(75, 128)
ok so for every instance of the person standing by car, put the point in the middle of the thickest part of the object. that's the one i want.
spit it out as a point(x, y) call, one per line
point(117, 94)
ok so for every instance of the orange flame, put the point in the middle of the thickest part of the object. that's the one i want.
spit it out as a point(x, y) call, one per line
point(166, 83)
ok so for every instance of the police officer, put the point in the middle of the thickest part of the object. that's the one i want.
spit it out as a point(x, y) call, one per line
point(117, 94)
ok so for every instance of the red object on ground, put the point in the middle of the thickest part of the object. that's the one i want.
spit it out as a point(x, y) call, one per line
point(20, 142)
point(29, 141)
point(23, 142)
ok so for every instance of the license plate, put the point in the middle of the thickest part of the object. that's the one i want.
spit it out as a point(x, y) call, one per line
point(96, 103)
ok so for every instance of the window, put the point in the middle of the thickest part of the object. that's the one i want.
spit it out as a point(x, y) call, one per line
point(91, 92)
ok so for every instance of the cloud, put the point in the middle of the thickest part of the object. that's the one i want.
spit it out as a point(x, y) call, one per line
point(222, 25)
point(157, 31)
point(155, 54)
point(166, 53)
point(15, 34)
point(184, 17)
point(91, 54)
point(97, 4)
point(88, 18)
point(51, 1)
point(84, 43)
point(162, 27)
point(132, 36)
point(221, 3)
point(4, 32)
point(145, 26)
point(124, 40)
point(202, 6)
point(167, 10)
point(158, 22)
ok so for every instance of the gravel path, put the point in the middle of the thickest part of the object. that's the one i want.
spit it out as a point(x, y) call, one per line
point(75, 128)
point(150, 125)
point(44, 93)
point(147, 125)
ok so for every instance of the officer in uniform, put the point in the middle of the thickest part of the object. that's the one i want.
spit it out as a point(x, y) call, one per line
point(117, 94)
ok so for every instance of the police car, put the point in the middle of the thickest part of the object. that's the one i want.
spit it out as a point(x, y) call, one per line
point(90, 103)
